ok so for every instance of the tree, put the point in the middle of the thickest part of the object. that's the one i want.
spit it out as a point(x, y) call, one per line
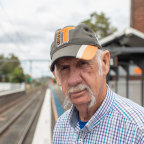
point(10, 63)
point(100, 24)
point(17, 76)
point(10, 69)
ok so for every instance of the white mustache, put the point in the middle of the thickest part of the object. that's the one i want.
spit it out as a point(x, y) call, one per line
point(77, 88)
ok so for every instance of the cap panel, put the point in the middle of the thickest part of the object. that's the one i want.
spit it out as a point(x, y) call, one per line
point(87, 52)
point(66, 36)
point(81, 51)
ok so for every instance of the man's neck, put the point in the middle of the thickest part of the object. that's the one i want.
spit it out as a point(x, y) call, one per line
point(84, 113)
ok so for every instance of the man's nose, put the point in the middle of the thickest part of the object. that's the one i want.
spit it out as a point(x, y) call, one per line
point(74, 77)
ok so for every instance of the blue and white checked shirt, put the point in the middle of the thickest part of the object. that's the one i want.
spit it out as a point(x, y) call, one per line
point(117, 121)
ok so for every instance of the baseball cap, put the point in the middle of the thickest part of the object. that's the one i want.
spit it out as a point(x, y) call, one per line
point(74, 41)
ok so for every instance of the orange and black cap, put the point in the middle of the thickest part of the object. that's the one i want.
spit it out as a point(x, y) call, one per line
point(79, 42)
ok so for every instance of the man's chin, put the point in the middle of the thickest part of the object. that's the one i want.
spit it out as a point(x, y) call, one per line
point(81, 103)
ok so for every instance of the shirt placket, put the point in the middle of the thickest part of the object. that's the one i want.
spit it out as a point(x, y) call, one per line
point(81, 136)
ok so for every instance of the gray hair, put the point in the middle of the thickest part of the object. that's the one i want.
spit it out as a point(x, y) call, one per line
point(98, 58)
point(57, 75)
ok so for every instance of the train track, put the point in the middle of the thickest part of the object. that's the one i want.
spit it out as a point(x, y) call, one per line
point(17, 120)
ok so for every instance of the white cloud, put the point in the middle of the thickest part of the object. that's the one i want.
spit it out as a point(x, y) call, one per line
point(27, 26)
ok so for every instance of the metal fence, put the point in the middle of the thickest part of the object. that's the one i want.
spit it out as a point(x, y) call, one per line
point(134, 89)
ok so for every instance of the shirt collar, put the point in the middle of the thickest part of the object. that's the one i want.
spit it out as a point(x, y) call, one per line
point(73, 116)
point(99, 114)
point(103, 110)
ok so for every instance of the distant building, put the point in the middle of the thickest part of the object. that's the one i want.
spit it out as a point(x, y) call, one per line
point(127, 55)
point(137, 15)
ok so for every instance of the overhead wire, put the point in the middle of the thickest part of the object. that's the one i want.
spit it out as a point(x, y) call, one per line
point(16, 32)
point(9, 37)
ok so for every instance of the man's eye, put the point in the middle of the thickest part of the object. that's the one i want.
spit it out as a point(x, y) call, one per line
point(64, 67)
point(83, 63)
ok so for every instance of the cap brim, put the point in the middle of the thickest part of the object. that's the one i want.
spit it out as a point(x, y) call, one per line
point(85, 52)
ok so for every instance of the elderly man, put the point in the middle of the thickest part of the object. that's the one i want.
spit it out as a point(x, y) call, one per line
point(97, 115)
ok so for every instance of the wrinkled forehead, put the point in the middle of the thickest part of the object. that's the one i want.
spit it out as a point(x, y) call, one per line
point(71, 60)
point(66, 60)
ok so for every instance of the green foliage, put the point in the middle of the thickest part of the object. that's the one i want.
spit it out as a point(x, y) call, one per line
point(100, 24)
point(10, 69)
point(17, 76)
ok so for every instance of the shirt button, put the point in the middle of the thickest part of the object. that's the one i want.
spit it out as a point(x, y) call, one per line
point(80, 141)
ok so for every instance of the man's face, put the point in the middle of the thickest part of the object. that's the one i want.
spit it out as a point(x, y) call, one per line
point(73, 72)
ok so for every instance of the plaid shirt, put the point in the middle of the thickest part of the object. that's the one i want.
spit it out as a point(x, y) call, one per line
point(117, 121)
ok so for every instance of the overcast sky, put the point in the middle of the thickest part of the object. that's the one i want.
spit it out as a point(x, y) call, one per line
point(27, 26)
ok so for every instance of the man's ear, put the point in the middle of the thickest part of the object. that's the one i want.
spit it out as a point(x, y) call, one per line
point(57, 79)
point(106, 62)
